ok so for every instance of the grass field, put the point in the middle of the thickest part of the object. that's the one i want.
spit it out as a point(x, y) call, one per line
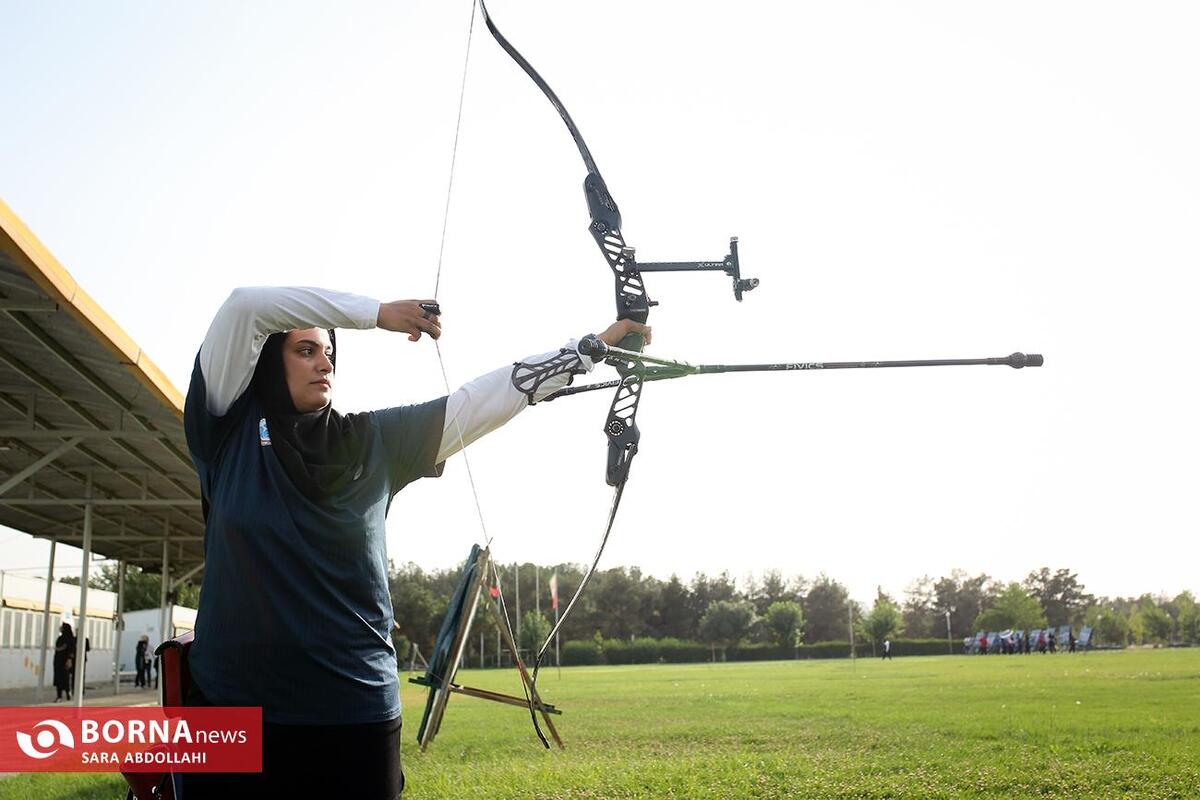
point(1098, 725)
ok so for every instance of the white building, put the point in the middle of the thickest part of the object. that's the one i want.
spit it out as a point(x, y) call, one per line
point(148, 622)
point(22, 625)
point(23, 629)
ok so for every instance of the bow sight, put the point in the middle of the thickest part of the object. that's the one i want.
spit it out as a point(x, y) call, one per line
point(730, 266)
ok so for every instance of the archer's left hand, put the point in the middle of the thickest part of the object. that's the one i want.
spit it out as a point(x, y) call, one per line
point(622, 328)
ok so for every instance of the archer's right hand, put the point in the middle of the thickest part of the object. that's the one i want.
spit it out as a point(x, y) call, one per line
point(407, 316)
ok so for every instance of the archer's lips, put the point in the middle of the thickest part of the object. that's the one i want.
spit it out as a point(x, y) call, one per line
point(323, 383)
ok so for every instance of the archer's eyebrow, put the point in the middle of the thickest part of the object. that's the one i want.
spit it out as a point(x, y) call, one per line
point(315, 343)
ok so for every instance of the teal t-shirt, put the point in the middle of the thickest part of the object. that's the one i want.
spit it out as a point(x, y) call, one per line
point(295, 613)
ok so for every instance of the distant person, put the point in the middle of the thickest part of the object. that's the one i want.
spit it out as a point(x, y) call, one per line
point(150, 659)
point(983, 645)
point(1070, 641)
point(87, 646)
point(1042, 643)
point(64, 662)
point(1028, 644)
point(887, 650)
point(1050, 641)
point(139, 660)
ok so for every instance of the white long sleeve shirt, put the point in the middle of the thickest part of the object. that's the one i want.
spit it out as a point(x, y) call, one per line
point(241, 326)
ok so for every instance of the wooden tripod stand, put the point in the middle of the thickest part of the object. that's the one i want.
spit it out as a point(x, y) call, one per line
point(443, 686)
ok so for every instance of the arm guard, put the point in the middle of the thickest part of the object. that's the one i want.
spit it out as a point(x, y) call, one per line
point(529, 378)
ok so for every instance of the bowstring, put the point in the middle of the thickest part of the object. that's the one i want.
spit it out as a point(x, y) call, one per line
point(462, 444)
point(437, 284)
point(529, 695)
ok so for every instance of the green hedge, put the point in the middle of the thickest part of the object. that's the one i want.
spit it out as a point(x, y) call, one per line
point(759, 652)
point(681, 651)
point(926, 647)
point(580, 654)
point(834, 650)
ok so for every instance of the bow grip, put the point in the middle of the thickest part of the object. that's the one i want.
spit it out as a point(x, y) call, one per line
point(634, 342)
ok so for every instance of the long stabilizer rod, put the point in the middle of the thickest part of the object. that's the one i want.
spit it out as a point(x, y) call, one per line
point(1016, 361)
point(660, 369)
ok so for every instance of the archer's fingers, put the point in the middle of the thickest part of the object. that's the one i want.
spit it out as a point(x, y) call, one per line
point(431, 326)
point(646, 333)
point(642, 329)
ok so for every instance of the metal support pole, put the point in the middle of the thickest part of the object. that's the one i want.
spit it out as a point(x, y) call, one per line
point(46, 638)
point(850, 614)
point(120, 626)
point(163, 618)
point(81, 622)
point(554, 602)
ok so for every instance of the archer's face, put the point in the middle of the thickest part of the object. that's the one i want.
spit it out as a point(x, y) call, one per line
point(309, 371)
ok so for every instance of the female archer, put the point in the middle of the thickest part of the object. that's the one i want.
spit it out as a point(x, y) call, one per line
point(295, 614)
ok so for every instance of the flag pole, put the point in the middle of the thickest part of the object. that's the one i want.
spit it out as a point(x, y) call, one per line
point(554, 605)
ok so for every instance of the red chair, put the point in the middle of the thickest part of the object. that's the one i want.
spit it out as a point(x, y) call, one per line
point(174, 680)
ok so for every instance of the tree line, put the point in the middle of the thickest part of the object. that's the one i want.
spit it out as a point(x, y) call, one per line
point(789, 611)
point(623, 604)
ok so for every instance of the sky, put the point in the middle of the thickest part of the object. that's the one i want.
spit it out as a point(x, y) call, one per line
point(927, 180)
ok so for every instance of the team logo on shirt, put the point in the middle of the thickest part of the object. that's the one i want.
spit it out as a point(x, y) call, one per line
point(264, 436)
